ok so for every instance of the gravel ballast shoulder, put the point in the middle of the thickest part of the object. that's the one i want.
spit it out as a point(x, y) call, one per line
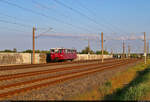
point(63, 91)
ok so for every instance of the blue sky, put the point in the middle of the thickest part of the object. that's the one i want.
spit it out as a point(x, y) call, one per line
point(116, 18)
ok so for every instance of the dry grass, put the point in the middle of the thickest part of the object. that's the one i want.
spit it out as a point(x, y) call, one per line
point(115, 84)
point(131, 85)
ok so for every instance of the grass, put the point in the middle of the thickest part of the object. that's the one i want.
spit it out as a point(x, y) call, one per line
point(137, 88)
point(133, 84)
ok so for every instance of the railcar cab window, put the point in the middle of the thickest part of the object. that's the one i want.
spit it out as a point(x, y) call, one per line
point(52, 50)
point(60, 51)
point(56, 51)
point(69, 51)
point(72, 51)
point(66, 51)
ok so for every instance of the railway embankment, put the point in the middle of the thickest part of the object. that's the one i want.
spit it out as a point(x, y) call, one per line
point(132, 84)
point(59, 83)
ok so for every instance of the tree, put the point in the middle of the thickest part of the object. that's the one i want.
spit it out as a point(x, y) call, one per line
point(100, 52)
point(27, 51)
point(7, 50)
point(87, 50)
point(14, 50)
point(45, 51)
point(36, 51)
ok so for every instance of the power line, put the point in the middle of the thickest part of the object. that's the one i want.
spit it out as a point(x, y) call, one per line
point(3, 14)
point(12, 29)
point(19, 24)
point(93, 13)
point(41, 14)
point(26, 9)
point(44, 32)
point(16, 18)
point(47, 8)
point(12, 17)
point(83, 6)
point(80, 13)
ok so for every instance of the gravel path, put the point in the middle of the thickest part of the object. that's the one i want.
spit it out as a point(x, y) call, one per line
point(70, 88)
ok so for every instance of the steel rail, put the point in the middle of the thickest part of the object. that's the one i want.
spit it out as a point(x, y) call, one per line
point(48, 71)
point(17, 91)
point(55, 76)
point(13, 67)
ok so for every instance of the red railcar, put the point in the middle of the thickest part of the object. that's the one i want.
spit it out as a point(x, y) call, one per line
point(61, 54)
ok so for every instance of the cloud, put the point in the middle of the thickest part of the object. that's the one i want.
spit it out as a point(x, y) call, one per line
point(133, 37)
point(92, 37)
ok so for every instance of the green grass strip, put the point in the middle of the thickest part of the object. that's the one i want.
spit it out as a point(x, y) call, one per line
point(137, 88)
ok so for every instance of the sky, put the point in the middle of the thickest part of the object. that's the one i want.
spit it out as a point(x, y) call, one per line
point(118, 19)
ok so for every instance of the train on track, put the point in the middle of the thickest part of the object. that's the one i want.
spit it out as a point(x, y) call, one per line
point(62, 54)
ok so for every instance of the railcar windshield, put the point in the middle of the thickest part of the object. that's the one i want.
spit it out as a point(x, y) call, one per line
point(62, 50)
point(54, 50)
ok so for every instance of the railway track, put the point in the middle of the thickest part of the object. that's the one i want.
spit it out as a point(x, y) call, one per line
point(13, 67)
point(31, 81)
point(49, 71)
point(58, 78)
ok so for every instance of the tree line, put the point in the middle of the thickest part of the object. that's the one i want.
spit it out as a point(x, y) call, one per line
point(26, 51)
point(86, 50)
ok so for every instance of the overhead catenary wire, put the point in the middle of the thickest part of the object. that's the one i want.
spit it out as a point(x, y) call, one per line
point(83, 6)
point(16, 23)
point(47, 8)
point(43, 33)
point(41, 14)
point(78, 12)
point(14, 29)
point(3, 14)
point(93, 13)
point(19, 24)
point(16, 18)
